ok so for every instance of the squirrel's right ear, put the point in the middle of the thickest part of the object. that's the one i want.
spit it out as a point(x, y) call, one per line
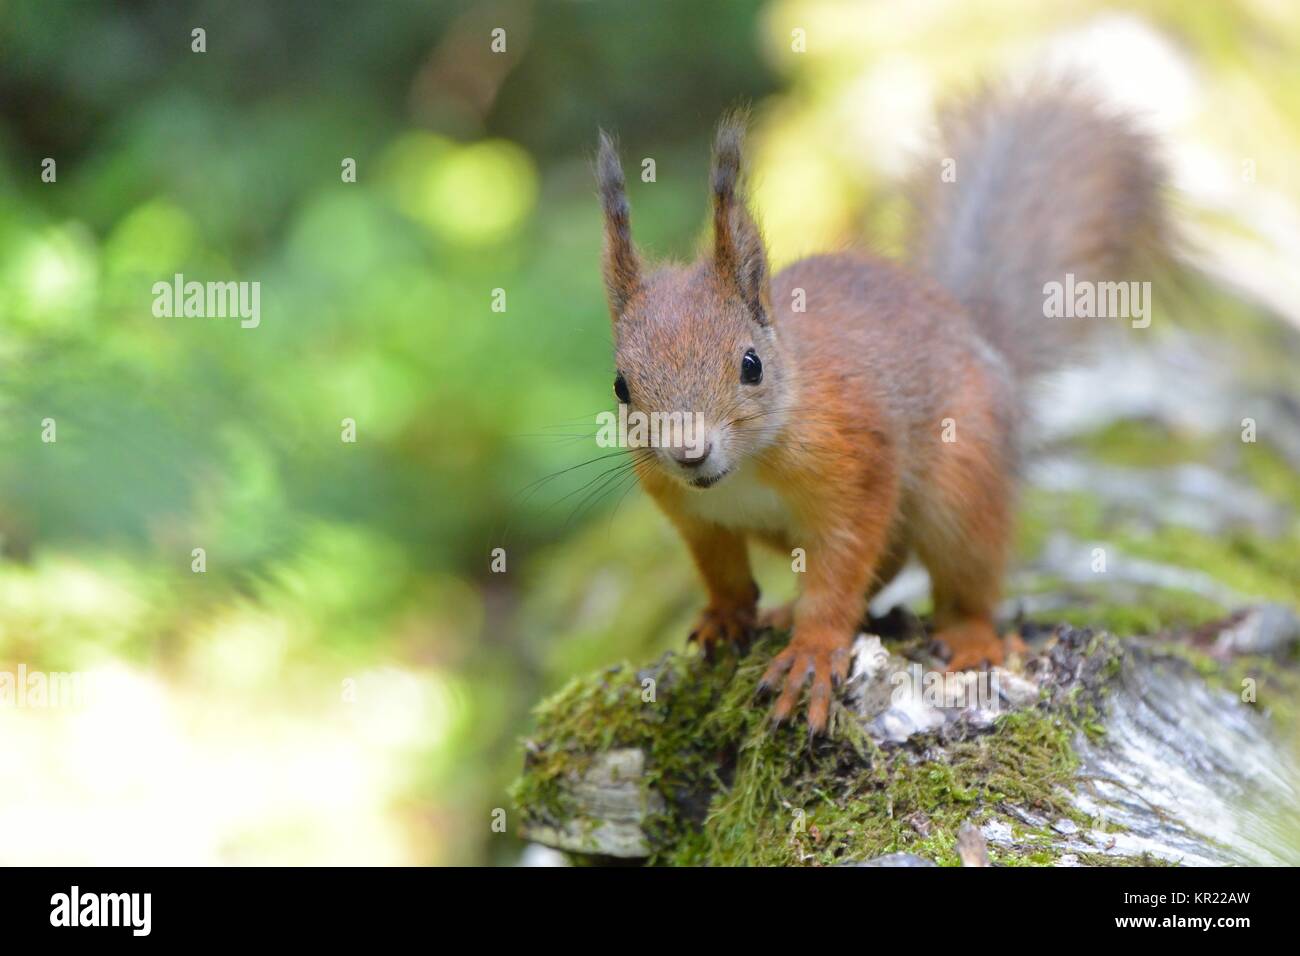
point(621, 265)
point(738, 252)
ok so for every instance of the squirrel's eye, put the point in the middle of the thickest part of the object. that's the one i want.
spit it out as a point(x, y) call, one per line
point(620, 389)
point(751, 368)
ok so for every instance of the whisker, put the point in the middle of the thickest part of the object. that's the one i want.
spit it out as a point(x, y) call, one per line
point(593, 497)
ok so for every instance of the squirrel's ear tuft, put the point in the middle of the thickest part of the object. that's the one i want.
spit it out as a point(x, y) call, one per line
point(727, 144)
point(738, 253)
point(621, 265)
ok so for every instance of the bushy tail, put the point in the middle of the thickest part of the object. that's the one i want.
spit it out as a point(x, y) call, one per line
point(1043, 184)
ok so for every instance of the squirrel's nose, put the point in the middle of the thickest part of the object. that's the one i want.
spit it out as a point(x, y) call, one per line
point(690, 457)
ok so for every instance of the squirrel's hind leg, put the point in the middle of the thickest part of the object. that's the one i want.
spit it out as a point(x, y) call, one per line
point(964, 540)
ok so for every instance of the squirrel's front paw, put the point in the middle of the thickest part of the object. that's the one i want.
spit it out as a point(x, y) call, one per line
point(821, 655)
point(724, 625)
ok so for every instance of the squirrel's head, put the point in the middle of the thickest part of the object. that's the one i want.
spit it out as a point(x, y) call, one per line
point(696, 349)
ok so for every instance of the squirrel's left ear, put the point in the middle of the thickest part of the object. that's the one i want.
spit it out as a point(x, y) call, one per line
point(622, 266)
point(738, 253)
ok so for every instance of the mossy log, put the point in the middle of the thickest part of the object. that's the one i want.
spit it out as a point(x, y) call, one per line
point(1092, 750)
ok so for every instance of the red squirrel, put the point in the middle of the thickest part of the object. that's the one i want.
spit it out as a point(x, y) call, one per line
point(824, 428)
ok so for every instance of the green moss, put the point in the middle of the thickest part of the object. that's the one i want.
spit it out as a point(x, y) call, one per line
point(842, 808)
point(741, 792)
point(1246, 563)
point(1139, 443)
point(1271, 473)
point(1046, 513)
point(1161, 610)
point(656, 710)
point(1251, 564)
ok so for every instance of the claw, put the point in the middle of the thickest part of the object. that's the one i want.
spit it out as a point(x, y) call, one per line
point(821, 664)
point(718, 625)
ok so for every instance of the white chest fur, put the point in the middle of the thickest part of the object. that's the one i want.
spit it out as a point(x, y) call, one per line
point(742, 502)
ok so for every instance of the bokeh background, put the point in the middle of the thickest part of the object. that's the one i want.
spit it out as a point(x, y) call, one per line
point(348, 681)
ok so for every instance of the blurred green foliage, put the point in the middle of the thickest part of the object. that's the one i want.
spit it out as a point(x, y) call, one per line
point(376, 296)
